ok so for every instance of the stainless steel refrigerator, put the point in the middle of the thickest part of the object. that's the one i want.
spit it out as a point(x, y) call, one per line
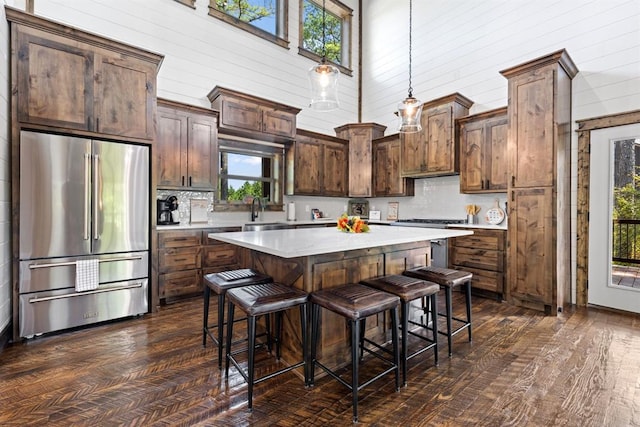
point(81, 200)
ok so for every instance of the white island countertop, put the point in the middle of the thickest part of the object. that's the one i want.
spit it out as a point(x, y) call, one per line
point(299, 242)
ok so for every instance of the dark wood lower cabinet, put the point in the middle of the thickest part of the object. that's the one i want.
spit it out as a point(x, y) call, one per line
point(483, 254)
point(186, 256)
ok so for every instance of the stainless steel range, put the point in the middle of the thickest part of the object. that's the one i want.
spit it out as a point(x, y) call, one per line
point(439, 247)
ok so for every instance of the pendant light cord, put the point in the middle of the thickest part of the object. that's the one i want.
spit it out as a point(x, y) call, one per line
point(324, 35)
point(410, 28)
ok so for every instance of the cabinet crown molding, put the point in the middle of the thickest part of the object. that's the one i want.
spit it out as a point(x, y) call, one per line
point(560, 57)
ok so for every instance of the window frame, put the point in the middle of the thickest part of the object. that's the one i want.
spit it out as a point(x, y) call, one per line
point(282, 23)
point(263, 149)
point(346, 14)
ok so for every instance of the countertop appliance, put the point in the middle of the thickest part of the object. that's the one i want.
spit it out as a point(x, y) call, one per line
point(165, 210)
point(82, 202)
point(439, 247)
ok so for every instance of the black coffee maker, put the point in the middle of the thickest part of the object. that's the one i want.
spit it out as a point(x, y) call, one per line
point(165, 207)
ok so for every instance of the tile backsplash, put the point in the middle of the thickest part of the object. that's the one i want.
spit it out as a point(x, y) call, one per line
point(184, 205)
point(437, 197)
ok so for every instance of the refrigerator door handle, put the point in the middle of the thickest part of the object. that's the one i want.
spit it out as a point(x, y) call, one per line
point(97, 196)
point(87, 194)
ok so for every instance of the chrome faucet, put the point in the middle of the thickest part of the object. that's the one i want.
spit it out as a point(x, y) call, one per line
point(254, 211)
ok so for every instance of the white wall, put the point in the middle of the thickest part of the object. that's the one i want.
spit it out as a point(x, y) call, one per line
point(461, 47)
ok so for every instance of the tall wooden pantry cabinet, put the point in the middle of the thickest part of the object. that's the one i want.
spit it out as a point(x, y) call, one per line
point(539, 142)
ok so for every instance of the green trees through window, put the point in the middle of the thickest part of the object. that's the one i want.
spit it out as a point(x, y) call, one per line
point(312, 32)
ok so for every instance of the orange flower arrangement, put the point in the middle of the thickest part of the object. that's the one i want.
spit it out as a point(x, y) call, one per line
point(352, 224)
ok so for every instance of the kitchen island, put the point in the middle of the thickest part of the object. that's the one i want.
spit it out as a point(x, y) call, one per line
point(319, 258)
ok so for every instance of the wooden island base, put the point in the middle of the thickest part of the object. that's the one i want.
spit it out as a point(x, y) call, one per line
point(315, 272)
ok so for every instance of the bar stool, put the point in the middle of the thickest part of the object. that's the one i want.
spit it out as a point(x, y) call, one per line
point(448, 279)
point(409, 289)
point(258, 300)
point(355, 302)
point(219, 283)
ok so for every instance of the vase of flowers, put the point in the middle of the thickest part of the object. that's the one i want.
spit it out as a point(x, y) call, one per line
point(352, 224)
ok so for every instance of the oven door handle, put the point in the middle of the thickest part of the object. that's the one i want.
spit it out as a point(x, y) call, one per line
point(438, 242)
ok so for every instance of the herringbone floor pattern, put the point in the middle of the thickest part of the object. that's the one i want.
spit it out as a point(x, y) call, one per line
point(522, 369)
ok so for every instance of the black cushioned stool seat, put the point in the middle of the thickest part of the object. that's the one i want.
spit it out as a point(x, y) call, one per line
point(409, 289)
point(355, 302)
point(219, 283)
point(448, 279)
point(264, 299)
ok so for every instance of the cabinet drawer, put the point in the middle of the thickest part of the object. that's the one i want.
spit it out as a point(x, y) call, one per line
point(215, 255)
point(480, 240)
point(179, 259)
point(178, 239)
point(180, 283)
point(482, 279)
point(478, 258)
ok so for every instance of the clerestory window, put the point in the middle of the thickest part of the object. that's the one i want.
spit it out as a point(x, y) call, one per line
point(333, 40)
point(264, 18)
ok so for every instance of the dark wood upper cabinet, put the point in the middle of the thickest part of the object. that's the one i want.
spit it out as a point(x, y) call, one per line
point(434, 150)
point(246, 115)
point(76, 81)
point(320, 164)
point(483, 152)
point(360, 136)
point(387, 180)
point(187, 154)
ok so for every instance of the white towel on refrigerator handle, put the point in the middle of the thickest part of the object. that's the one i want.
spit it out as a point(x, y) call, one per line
point(87, 274)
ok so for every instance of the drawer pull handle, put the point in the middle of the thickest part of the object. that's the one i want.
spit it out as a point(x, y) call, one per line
point(79, 294)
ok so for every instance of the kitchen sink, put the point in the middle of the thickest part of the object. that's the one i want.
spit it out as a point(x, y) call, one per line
point(263, 226)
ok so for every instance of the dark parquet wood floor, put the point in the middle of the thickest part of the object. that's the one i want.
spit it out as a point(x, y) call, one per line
point(581, 368)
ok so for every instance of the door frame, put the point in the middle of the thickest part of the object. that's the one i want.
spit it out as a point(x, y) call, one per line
point(582, 216)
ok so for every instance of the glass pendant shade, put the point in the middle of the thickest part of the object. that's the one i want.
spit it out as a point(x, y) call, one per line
point(409, 112)
point(324, 87)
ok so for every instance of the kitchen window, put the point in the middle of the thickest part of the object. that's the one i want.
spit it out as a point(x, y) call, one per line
point(264, 18)
point(337, 33)
point(248, 170)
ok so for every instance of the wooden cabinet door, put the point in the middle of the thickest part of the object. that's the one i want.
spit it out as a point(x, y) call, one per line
point(278, 122)
point(240, 114)
point(307, 161)
point(531, 267)
point(496, 132)
point(55, 81)
point(124, 96)
point(472, 154)
point(360, 162)
point(414, 154)
point(440, 143)
point(381, 175)
point(387, 176)
point(202, 159)
point(531, 128)
point(171, 144)
point(335, 171)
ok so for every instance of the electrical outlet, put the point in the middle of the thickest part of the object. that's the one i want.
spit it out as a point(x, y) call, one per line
point(306, 208)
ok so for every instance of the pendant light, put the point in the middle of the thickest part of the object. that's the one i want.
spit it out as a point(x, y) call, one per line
point(324, 78)
point(410, 110)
